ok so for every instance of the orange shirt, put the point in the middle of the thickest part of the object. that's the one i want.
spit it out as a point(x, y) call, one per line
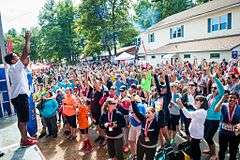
point(83, 117)
point(69, 104)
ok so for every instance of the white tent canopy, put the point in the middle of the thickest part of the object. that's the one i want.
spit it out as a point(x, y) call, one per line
point(124, 56)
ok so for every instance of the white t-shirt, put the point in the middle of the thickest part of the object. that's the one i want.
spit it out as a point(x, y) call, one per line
point(196, 127)
point(18, 78)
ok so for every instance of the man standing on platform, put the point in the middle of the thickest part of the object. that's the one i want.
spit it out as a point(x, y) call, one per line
point(20, 89)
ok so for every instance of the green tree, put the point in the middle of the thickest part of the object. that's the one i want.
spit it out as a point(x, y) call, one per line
point(35, 50)
point(150, 12)
point(170, 7)
point(147, 14)
point(105, 25)
point(12, 32)
point(17, 40)
point(49, 31)
point(202, 1)
point(57, 30)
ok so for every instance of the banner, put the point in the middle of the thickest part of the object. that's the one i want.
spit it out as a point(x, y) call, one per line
point(32, 123)
point(5, 107)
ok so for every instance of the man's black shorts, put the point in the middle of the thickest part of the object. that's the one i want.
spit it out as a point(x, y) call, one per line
point(21, 106)
point(71, 120)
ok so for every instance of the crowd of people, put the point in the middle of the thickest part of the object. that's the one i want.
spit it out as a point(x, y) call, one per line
point(135, 108)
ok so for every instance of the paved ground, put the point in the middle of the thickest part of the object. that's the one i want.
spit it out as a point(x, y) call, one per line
point(52, 149)
point(9, 143)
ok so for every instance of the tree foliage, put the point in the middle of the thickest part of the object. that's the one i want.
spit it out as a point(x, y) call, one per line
point(150, 12)
point(66, 31)
point(202, 1)
point(105, 25)
point(147, 14)
point(57, 32)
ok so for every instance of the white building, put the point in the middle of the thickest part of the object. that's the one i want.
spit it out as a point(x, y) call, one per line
point(209, 31)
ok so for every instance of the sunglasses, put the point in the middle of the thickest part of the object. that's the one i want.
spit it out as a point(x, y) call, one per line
point(112, 103)
point(214, 88)
point(232, 97)
point(198, 100)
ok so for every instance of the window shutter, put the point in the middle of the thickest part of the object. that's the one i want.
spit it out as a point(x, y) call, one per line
point(209, 25)
point(229, 17)
point(170, 33)
point(182, 28)
point(149, 38)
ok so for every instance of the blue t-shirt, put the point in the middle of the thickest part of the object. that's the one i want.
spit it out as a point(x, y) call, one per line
point(49, 108)
point(142, 109)
point(118, 85)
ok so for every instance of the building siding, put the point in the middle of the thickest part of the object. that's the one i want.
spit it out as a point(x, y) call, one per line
point(194, 29)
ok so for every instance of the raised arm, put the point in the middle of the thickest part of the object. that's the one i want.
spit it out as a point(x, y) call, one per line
point(157, 84)
point(140, 116)
point(219, 104)
point(26, 49)
point(168, 94)
point(220, 87)
point(167, 84)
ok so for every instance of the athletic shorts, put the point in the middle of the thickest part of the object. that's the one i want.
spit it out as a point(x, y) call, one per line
point(163, 119)
point(84, 131)
point(21, 107)
point(134, 133)
point(71, 120)
point(173, 122)
point(96, 114)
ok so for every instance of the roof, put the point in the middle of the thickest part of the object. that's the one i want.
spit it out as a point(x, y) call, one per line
point(213, 44)
point(215, 5)
point(127, 49)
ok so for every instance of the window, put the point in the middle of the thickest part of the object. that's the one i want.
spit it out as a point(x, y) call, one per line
point(220, 23)
point(215, 22)
point(223, 22)
point(151, 37)
point(179, 32)
point(153, 57)
point(214, 55)
point(176, 32)
point(139, 41)
point(187, 56)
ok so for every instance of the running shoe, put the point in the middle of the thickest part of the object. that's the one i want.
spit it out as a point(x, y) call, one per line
point(28, 143)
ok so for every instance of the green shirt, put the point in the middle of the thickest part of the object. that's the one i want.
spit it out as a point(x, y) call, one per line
point(146, 82)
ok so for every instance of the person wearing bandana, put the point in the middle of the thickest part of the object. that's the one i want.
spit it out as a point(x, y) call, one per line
point(113, 122)
point(147, 141)
point(229, 134)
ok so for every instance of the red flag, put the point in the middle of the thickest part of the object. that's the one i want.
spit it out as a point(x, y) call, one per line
point(9, 46)
point(145, 51)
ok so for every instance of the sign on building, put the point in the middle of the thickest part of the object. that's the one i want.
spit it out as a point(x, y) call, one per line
point(235, 54)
